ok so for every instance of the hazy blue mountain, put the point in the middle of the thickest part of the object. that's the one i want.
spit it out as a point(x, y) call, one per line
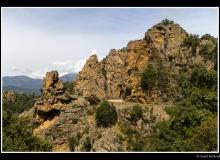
point(68, 77)
point(22, 82)
point(25, 84)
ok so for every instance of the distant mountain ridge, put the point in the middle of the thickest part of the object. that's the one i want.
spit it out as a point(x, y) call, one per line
point(25, 84)
point(68, 77)
point(21, 81)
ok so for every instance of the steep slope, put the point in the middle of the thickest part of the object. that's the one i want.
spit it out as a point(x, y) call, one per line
point(59, 116)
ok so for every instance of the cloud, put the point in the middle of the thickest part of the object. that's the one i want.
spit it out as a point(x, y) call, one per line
point(43, 39)
point(38, 73)
point(68, 66)
point(79, 65)
point(14, 69)
point(94, 51)
point(62, 63)
point(63, 67)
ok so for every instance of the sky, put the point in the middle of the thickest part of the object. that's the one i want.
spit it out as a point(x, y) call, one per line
point(37, 40)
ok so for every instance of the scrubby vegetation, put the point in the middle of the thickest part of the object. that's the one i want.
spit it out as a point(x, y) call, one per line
point(87, 144)
point(193, 120)
point(17, 131)
point(167, 22)
point(209, 49)
point(148, 77)
point(69, 86)
point(194, 112)
point(73, 142)
point(136, 113)
point(133, 138)
point(17, 103)
point(106, 115)
point(191, 41)
point(154, 76)
point(18, 136)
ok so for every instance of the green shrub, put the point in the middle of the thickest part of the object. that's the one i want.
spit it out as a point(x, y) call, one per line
point(136, 113)
point(205, 137)
point(20, 103)
point(73, 142)
point(87, 144)
point(135, 143)
point(18, 136)
point(209, 50)
point(171, 110)
point(69, 86)
point(167, 22)
point(106, 115)
point(208, 37)
point(148, 77)
point(155, 75)
point(134, 139)
point(191, 126)
point(203, 78)
point(191, 41)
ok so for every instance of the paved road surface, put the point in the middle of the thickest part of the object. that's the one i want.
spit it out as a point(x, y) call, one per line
point(115, 100)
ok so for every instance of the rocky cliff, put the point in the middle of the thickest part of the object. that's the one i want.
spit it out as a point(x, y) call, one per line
point(59, 116)
point(118, 75)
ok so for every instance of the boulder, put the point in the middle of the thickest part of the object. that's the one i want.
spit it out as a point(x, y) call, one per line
point(93, 99)
point(50, 79)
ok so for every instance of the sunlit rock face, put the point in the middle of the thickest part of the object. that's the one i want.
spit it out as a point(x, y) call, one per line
point(118, 74)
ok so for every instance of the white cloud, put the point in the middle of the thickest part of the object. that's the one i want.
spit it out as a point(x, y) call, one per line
point(79, 65)
point(69, 66)
point(38, 73)
point(94, 51)
point(63, 68)
point(14, 69)
point(34, 42)
point(62, 63)
point(62, 73)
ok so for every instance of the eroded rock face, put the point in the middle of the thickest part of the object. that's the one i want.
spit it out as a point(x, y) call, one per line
point(118, 75)
point(53, 102)
point(115, 76)
point(91, 79)
point(165, 36)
